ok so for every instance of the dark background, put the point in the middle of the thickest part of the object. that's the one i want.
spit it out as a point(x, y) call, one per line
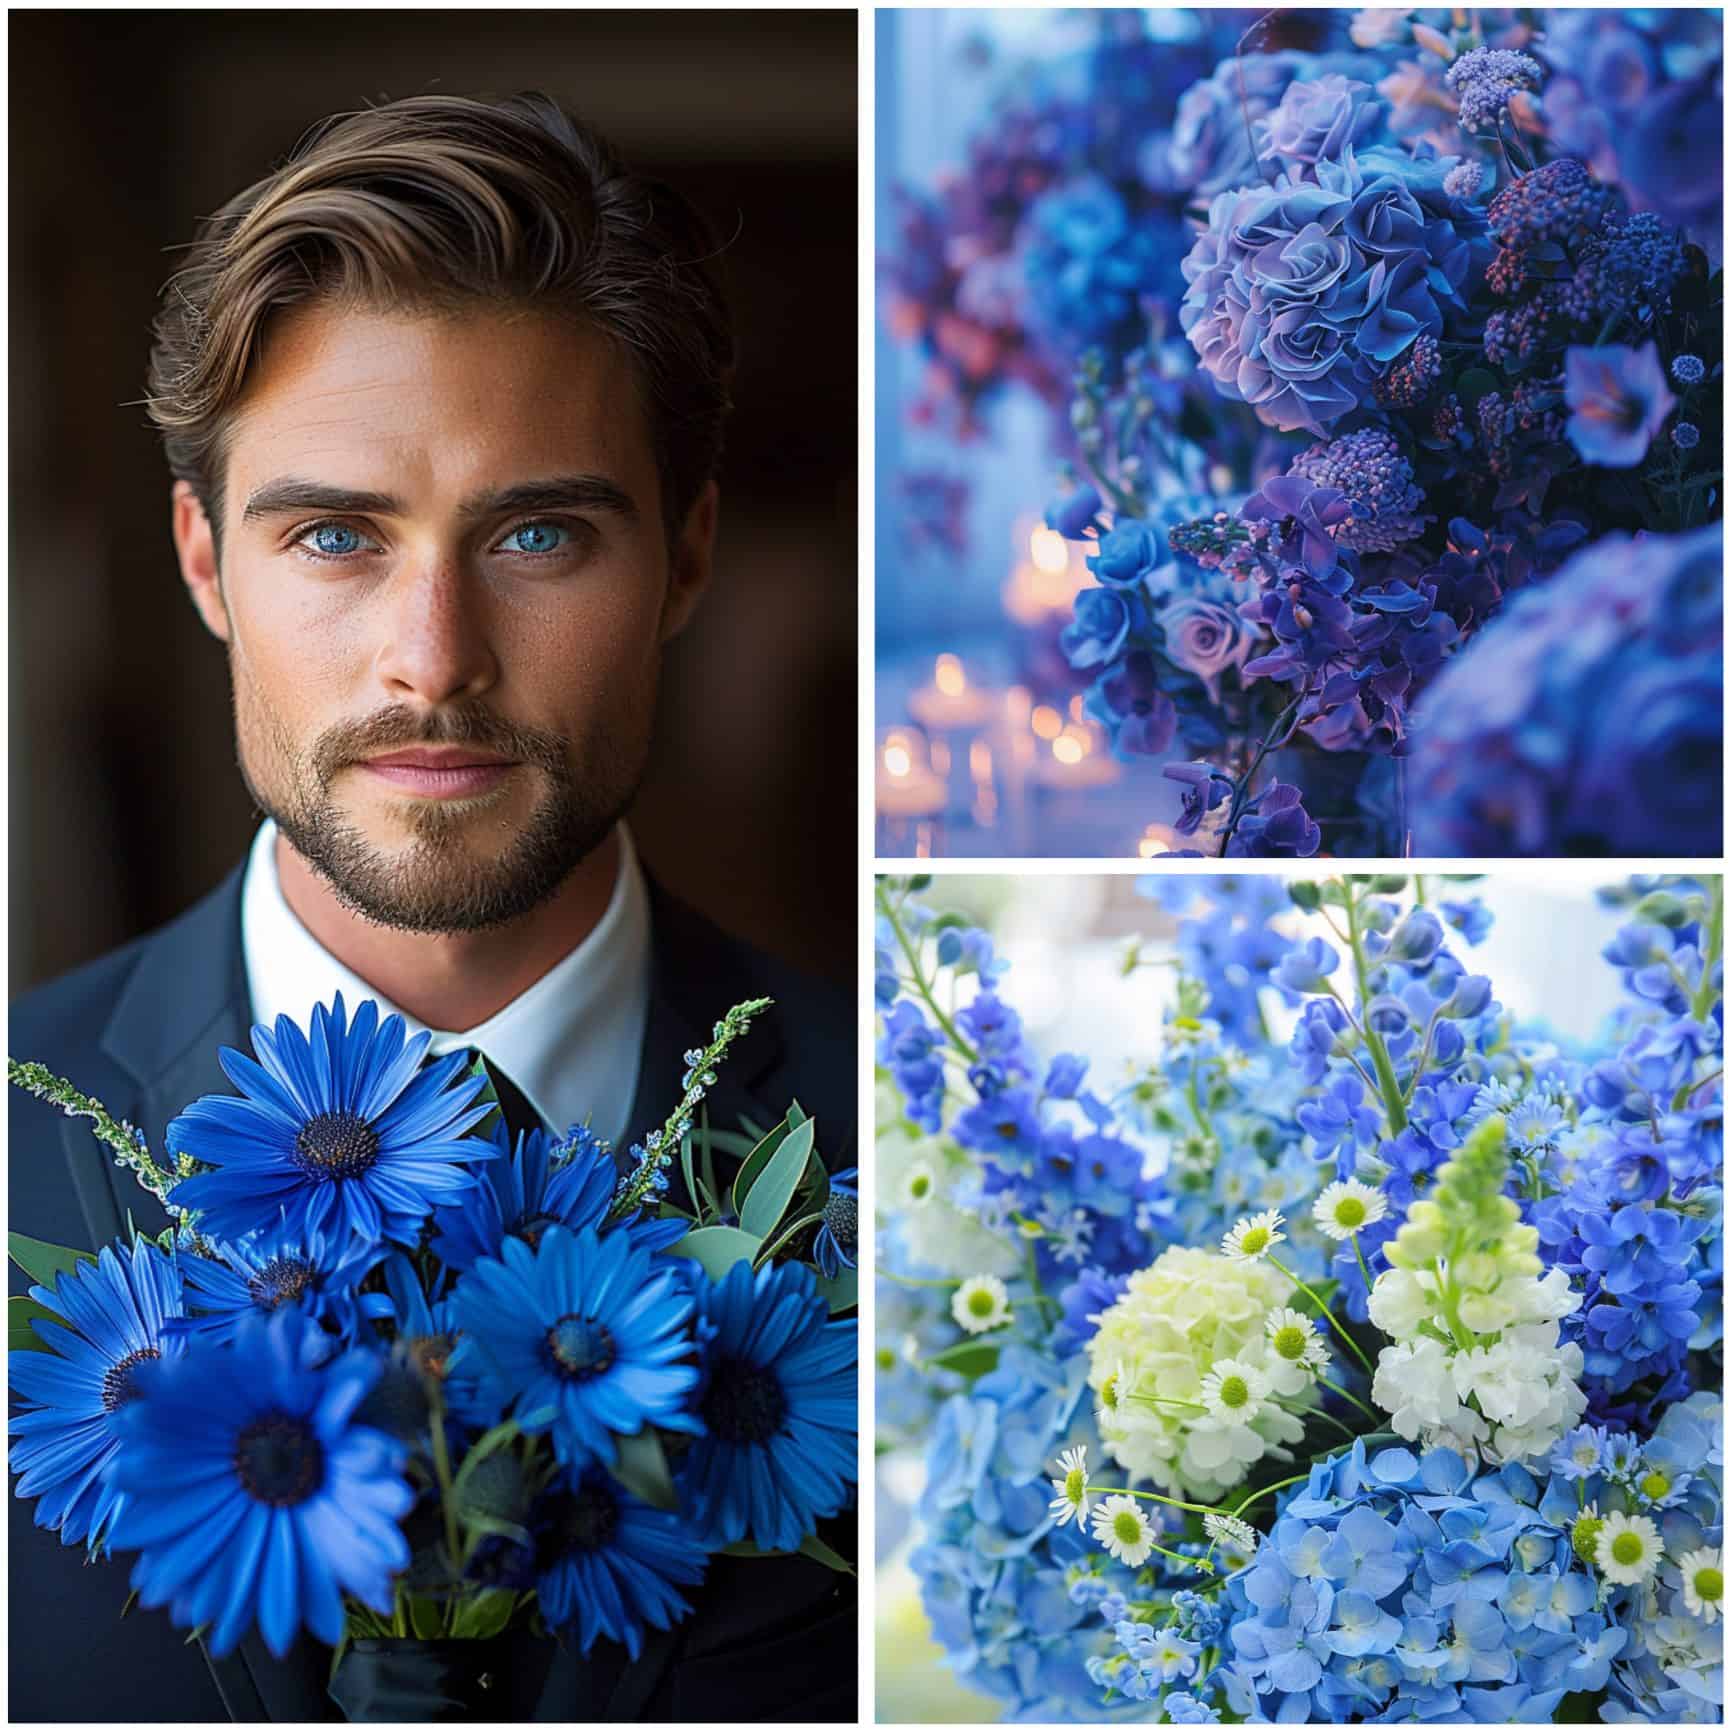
point(125, 802)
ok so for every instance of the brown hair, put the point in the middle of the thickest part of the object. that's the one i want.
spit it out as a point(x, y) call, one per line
point(434, 203)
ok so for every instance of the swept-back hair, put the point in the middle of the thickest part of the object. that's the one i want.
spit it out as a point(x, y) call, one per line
point(436, 204)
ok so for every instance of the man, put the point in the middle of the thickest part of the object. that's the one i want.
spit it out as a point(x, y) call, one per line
point(443, 399)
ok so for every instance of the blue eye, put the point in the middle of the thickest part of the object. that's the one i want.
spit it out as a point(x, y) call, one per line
point(333, 540)
point(536, 538)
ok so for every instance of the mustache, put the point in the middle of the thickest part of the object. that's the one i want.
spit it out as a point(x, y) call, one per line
point(349, 742)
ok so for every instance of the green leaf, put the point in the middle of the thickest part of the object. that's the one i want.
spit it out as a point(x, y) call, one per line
point(717, 1249)
point(42, 1262)
point(1661, 908)
point(426, 1617)
point(763, 1152)
point(483, 1614)
point(1475, 383)
point(1305, 894)
point(814, 1548)
point(686, 1173)
point(735, 1143)
point(21, 1312)
point(642, 1469)
point(774, 1190)
point(1388, 883)
point(844, 1292)
point(971, 1358)
point(788, 1234)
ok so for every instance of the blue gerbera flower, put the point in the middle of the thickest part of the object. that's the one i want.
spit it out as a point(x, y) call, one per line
point(778, 1407)
point(838, 1232)
point(340, 1133)
point(252, 1495)
point(607, 1564)
point(116, 1311)
point(266, 1272)
point(419, 1358)
point(584, 1334)
point(546, 1182)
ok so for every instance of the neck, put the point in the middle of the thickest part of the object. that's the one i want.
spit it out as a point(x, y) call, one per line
point(453, 981)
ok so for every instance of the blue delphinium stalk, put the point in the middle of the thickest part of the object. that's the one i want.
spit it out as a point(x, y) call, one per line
point(608, 1566)
point(777, 1451)
point(252, 1495)
point(584, 1336)
point(337, 1131)
point(112, 1316)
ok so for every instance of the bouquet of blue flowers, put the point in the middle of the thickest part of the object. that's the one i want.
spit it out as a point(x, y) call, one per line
point(392, 1372)
point(1367, 1374)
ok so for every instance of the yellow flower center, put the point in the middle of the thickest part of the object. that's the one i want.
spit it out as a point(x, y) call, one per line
point(1627, 1549)
point(886, 1359)
point(920, 1187)
point(1074, 1481)
point(1655, 1485)
point(1110, 1393)
point(1350, 1212)
point(981, 1303)
point(1255, 1240)
point(1127, 1527)
point(1290, 1341)
point(1709, 1583)
point(1235, 1392)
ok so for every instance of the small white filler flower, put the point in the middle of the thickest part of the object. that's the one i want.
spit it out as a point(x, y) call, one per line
point(981, 1303)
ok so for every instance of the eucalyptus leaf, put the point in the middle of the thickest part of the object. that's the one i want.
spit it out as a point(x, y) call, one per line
point(485, 1614)
point(814, 1548)
point(41, 1261)
point(642, 1468)
point(774, 1190)
point(717, 1249)
point(789, 1234)
point(969, 1358)
point(843, 1292)
point(763, 1152)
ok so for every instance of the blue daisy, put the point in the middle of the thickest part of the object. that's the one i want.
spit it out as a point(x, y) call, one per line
point(266, 1272)
point(546, 1182)
point(608, 1565)
point(779, 1448)
point(116, 1313)
point(425, 1339)
point(339, 1133)
point(252, 1495)
point(838, 1232)
point(584, 1335)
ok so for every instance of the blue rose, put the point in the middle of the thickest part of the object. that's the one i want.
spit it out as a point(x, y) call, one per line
point(1105, 618)
point(1128, 553)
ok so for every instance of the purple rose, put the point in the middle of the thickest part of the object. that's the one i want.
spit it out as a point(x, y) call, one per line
point(1317, 120)
point(1205, 638)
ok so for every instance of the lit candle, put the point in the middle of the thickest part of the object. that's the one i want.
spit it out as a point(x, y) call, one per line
point(906, 786)
point(1073, 759)
point(1045, 585)
point(950, 702)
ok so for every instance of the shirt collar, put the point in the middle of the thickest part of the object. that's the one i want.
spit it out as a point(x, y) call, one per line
point(573, 1041)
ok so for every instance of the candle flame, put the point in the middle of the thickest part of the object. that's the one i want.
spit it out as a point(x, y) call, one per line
point(1046, 547)
point(898, 760)
point(1047, 722)
point(1069, 748)
point(948, 676)
point(1152, 846)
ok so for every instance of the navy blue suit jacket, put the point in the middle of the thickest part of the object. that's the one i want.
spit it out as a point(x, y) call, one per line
point(139, 1029)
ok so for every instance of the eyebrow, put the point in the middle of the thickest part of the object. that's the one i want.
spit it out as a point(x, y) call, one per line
point(559, 492)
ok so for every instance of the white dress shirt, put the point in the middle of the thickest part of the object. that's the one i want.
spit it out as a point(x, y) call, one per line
point(573, 1042)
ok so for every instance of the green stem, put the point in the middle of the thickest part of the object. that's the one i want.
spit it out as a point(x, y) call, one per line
point(447, 1498)
point(917, 1280)
point(1280, 1485)
point(1364, 1268)
point(1682, 1098)
point(1703, 1002)
point(1352, 1399)
point(1359, 1352)
point(911, 956)
point(1151, 1496)
point(1392, 1102)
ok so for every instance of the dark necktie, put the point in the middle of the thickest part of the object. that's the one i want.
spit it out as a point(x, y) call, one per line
point(514, 1104)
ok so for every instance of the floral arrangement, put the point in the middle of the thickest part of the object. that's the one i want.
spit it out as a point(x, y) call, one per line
point(1422, 311)
point(1371, 1373)
point(391, 1372)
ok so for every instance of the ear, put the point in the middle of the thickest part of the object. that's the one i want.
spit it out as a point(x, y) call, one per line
point(195, 546)
point(689, 570)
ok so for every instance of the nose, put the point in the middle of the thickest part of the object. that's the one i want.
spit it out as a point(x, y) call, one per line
point(436, 647)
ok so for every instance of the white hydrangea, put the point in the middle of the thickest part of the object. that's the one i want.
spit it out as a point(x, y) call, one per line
point(1414, 1385)
point(1177, 1321)
point(937, 1235)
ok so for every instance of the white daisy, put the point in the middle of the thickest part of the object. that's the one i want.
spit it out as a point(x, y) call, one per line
point(1124, 1530)
point(1627, 1549)
point(1230, 1532)
point(981, 1303)
point(1254, 1236)
point(1346, 1206)
point(1110, 1395)
point(1235, 1390)
point(1704, 1582)
point(1293, 1337)
point(1071, 1486)
point(921, 1184)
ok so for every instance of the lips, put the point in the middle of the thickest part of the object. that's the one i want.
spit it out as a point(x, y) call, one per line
point(431, 773)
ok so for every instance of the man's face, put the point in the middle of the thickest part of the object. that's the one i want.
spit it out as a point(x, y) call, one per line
point(445, 588)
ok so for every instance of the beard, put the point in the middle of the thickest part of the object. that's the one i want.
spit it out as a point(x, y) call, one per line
point(439, 884)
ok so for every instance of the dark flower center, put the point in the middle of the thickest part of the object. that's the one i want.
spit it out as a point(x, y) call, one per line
point(580, 1521)
point(842, 1216)
point(531, 1227)
point(430, 1354)
point(279, 1461)
point(337, 1145)
point(744, 1403)
point(281, 1281)
point(118, 1387)
point(580, 1347)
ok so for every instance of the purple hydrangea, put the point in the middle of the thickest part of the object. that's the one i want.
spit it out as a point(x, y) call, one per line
point(1586, 718)
point(1316, 120)
point(1484, 79)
